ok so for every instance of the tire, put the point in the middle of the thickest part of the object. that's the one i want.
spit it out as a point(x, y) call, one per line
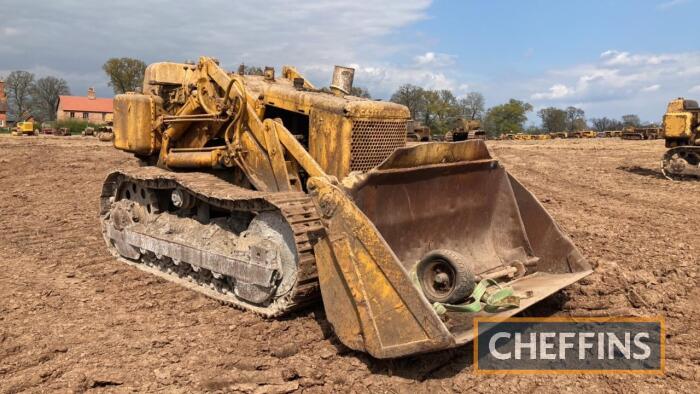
point(453, 287)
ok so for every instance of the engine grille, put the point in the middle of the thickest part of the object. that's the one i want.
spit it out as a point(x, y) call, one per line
point(374, 140)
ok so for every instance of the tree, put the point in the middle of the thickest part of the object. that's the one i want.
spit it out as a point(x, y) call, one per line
point(575, 119)
point(125, 74)
point(508, 117)
point(359, 91)
point(45, 94)
point(441, 109)
point(604, 124)
point(19, 89)
point(553, 119)
point(412, 97)
point(631, 120)
point(532, 129)
point(436, 108)
point(472, 106)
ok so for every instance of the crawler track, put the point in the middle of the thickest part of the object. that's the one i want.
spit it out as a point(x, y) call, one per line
point(681, 163)
point(296, 208)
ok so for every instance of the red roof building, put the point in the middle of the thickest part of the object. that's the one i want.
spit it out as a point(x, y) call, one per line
point(89, 108)
point(3, 105)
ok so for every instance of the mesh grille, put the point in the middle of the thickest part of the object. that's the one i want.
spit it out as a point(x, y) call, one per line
point(373, 141)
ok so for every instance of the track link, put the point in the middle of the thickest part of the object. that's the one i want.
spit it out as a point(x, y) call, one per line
point(681, 163)
point(296, 208)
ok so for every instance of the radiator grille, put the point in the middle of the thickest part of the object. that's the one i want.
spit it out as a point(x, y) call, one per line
point(373, 141)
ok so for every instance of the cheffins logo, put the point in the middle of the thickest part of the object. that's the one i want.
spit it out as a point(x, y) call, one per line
point(569, 345)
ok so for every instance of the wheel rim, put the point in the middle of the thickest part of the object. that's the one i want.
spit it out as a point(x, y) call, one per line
point(438, 279)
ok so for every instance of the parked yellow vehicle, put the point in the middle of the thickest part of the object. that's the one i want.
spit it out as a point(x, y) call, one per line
point(24, 128)
point(268, 193)
point(584, 134)
point(681, 132)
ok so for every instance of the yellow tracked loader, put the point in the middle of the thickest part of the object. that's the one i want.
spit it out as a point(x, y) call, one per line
point(681, 131)
point(263, 191)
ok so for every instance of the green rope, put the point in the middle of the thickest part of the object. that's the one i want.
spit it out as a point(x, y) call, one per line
point(502, 299)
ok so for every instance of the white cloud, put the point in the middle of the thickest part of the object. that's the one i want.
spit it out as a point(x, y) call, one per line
point(652, 88)
point(618, 75)
point(555, 92)
point(434, 59)
point(619, 82)
point(304, 34)
point(427, 58)
point(615, 58)
point(382, 79)
point(670, 4)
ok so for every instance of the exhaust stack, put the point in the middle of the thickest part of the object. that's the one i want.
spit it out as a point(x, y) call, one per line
point(341, 83)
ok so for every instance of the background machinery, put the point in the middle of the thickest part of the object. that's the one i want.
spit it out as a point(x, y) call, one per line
point(417, 131)
point(681, 131)
point(261, 191)
point(641, 133)
point(62, 131)
point(465, 129)
point(104, 132)
point(24, 128)
point(48, 127)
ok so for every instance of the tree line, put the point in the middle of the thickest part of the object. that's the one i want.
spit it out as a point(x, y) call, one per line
point(27, 95)
point(436, 109)
point(574, 119)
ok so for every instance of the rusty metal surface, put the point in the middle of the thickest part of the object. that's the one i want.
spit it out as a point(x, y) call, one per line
point(341, 133)
point(375, 223)
point(475, 215)
point(373, 141)
point(133, 123)
point(341, 83)
point(422, 199)
point(436, 153)
point(367, 295)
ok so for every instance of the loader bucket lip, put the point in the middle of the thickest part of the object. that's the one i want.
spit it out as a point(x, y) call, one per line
point(436, 153)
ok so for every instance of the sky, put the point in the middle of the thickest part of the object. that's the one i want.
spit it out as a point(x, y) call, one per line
point(608, 57)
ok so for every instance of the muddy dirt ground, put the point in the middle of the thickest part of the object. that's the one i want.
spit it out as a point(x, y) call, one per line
point(72, 318)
